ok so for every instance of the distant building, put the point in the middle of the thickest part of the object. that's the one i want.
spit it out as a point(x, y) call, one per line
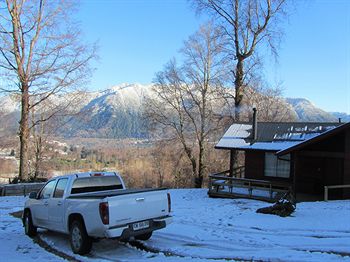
point(301, 157)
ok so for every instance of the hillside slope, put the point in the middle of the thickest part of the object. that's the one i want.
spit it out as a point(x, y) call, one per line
point(308, 112)
point(118, 113)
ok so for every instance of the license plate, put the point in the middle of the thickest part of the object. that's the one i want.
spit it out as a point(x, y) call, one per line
point(140, 225)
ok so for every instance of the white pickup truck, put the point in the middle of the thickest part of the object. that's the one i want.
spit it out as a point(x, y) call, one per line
point(96, 205)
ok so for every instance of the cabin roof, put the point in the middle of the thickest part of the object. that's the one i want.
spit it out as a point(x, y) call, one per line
point(272, 136)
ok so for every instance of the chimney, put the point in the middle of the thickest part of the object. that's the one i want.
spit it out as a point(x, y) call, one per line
point(255, 125)
point(339, 119)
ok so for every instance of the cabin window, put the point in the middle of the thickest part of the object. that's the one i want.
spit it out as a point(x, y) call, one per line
point(275, 167)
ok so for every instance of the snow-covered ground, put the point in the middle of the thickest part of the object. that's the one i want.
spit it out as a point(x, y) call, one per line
point(205, 229)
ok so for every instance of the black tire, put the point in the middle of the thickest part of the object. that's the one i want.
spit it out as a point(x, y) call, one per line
point(29, 229)
point(80, 242)
point(145, 236)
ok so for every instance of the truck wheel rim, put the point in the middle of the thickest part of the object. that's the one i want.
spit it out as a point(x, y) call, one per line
point(76, 238)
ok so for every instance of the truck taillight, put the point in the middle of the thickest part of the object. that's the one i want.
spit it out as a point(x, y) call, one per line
point(104, 213)
point(169, 203)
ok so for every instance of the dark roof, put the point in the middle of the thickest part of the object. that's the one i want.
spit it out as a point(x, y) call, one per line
point(272, 136)
point(315, 139)
point(291, 131)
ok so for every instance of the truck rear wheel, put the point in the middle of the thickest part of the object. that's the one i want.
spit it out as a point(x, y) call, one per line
point(80, 242)
point(145, 236)
point(29, 229)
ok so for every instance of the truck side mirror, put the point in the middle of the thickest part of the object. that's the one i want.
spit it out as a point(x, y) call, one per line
point(32, 195)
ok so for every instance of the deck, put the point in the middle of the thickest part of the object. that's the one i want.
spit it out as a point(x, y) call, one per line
point(225, 186)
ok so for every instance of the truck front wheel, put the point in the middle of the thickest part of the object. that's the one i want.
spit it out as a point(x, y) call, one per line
point(80, 242)
point(145, 236)
point(29, 229)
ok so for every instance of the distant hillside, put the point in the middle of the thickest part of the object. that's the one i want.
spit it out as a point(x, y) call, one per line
point(118, 113)
point(114, 113)
point(308, 112)
point(344, 117)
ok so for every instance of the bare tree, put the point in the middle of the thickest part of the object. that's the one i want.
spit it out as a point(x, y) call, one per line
point(187, 99)
point(48, 119)
point(248, 24)
point(269, 102)
point(41, 55)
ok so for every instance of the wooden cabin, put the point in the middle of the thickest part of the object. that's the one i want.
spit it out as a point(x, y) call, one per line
point(310, 160)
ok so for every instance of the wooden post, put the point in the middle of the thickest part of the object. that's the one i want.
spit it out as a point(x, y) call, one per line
point(293, 165)
point(232, 159)
point(325, 193)
point(270, 190)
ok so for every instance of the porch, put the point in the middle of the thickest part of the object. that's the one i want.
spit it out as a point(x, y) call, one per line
point(224, 185)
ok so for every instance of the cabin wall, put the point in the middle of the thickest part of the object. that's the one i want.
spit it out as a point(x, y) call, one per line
point(324, 163)
point(254, 164)
point(255, 167)
point(309, 174)
point(346, 178)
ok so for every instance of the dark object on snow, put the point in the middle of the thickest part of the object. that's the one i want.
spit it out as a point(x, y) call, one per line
point(283, 207)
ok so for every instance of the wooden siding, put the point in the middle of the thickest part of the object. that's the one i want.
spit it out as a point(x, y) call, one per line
point(255, 167)
point(323, 164)
point(254, 164)
point(346, 177)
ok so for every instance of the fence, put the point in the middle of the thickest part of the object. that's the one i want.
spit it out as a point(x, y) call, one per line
point(20, 189)
point(326, 188)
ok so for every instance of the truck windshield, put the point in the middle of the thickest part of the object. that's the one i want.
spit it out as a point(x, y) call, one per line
point(93, 184)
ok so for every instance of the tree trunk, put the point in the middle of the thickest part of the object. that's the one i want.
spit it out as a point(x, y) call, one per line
point(239, 73)
point(194, 166)
point(38, 137)
point(199, 179)
point(24, 134)
point(194, 172)
point(38, 156)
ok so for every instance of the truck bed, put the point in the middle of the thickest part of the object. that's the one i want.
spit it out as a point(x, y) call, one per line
point(110, 193)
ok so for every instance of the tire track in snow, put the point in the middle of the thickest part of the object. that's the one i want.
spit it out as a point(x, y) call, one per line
point(140, 246)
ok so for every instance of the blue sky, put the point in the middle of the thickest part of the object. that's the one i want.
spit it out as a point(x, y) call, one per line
point(137, 37)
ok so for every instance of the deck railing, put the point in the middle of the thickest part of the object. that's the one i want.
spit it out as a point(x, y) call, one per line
point(222, 185)
point(326, 188)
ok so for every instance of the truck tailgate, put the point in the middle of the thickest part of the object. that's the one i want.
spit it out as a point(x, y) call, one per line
point(128, 208)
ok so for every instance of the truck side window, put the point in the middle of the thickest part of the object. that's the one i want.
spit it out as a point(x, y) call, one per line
point(47, 190)
point(60, 187)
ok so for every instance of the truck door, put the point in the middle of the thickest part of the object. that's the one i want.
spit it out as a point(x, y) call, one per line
point(39, 208)
point(56, 206)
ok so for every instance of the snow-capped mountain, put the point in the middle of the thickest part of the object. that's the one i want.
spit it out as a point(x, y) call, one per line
point(117, 112)
point(9, 104)
point(343, 116)
point(308, 112)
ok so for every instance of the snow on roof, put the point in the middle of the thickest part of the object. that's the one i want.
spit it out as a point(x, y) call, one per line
point(273, 146)
point(272, 136)
point(235, 136)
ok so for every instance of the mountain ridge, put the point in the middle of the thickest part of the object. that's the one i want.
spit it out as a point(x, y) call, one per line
point(117, 112)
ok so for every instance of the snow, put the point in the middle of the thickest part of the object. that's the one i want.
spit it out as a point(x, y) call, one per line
point(235, 136)
point(15, 246)
point(245, 192)
point(270, 145)
point(206, 229)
